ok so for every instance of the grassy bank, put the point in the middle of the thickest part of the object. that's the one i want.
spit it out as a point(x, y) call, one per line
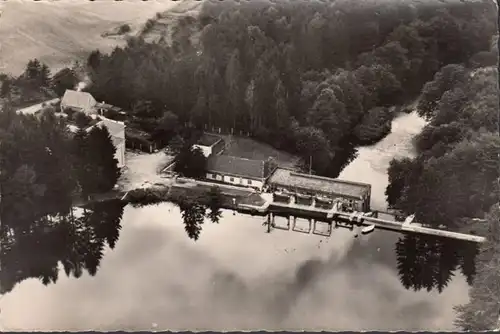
point(199, 193)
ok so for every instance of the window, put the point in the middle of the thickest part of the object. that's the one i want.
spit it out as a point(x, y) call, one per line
point(209, 176)
point(231, 179)
point(249, 181)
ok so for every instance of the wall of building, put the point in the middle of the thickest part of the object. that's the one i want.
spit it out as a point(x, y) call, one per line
point(356, 204)
point(120, 154)
point(207, 150)
point(236, 180)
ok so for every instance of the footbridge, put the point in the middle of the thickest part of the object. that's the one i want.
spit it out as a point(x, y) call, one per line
point(335, 216)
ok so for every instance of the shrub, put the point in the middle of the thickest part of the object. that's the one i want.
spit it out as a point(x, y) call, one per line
point(147, 196)
point(123, 29)
point(375, 125)
point(137, 141)
point(148, 26)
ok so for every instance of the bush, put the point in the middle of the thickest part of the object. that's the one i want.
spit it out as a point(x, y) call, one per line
point(147, 196)
point(136, 141)
point(81, 119)
point(123, 29)
point(148, 26)
point(148, 125)
point(375, 125)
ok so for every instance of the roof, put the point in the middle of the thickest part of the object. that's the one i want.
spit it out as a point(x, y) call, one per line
point(74, 99)
point(74, 128)
point(236, 166)
point(289, 178)
point(136, 132)
point(208, 139)
point(115, 128)
point(37, 107)
point(104, 105)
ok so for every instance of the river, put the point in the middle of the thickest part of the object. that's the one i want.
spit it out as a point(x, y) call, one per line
point(236, 276)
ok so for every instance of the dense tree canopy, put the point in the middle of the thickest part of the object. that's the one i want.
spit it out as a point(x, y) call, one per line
point(43, 165)
point(302, 77)
point(454, 179)
point(455, 174)
point(190, 162)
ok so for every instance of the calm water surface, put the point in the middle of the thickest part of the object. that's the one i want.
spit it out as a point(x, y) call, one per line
point(239, 277)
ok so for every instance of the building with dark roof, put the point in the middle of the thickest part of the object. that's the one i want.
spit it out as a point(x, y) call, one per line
point(358, 194)
point(238, 171)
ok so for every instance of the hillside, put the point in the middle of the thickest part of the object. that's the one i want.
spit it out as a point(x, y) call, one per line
point(60, 32)
point(164, 24)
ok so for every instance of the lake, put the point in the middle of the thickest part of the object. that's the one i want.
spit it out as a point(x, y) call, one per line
point(237, 276)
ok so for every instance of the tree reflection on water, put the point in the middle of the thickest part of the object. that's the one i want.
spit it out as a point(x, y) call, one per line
point(427, 262)
point(423, 262)
point(75, 241)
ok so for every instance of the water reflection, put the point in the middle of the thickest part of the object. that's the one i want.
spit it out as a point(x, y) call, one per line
point(427, 262)
point(234, 276)
point(77, 241)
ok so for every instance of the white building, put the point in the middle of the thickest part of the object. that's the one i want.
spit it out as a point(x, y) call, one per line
point(238, 171)
point(78, 101)
point(84, 102)
point(210, 144)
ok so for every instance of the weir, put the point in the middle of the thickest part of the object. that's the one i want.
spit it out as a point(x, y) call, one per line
point(333, 215)
point(349, 219)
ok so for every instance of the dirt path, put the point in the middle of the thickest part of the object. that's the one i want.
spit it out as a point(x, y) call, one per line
point(143, 170)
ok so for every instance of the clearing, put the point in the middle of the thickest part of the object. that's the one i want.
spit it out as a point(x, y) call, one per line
point(249, 148)
point(143, 169)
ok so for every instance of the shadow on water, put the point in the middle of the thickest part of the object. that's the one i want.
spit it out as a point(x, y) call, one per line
point(77, 241)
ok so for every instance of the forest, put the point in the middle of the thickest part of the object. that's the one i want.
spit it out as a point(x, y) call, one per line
point(453, 181)
point(316, 80)
point(44, 170)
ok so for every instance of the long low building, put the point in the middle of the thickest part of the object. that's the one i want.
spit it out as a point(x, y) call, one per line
point(355, 193)
point(238, 171)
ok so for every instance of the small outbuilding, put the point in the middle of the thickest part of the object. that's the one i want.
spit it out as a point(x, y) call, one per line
point(210, 144)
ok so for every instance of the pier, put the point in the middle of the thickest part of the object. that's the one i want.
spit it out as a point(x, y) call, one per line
point(335, 216)
point(329, 212)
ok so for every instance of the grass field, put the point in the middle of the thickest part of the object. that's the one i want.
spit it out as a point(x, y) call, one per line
point(249, 148)
point(59, 32)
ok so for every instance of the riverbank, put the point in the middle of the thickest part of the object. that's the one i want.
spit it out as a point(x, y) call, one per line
point(230, 197)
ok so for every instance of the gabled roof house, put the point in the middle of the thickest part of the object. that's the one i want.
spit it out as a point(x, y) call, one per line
point(78, 101)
